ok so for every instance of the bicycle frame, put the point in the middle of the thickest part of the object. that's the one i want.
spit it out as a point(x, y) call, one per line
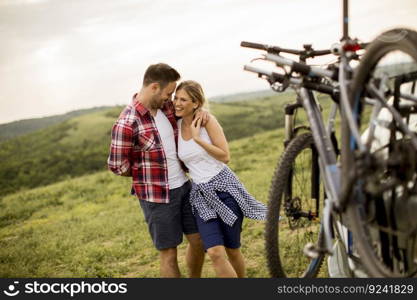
point(322, 139)
point(331, 173)
point(327, 158)
point(329, 169)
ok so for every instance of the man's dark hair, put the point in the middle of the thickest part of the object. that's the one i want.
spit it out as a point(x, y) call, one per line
point(160, 73)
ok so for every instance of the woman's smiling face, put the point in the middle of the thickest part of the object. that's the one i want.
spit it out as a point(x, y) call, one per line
point(184, 106)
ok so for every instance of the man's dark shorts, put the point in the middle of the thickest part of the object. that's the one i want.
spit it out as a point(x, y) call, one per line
point(167, 222)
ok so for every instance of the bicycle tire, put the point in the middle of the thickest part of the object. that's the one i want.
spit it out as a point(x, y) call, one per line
point(280, 181)
point(369, 213)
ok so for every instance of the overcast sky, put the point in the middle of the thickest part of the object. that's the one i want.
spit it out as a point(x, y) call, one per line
point(61, 55)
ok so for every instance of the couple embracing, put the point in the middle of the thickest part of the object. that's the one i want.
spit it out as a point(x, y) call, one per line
point(157, 141)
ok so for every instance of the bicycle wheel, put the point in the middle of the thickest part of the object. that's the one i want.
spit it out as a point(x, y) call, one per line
point(293, 211)
point(383, 199)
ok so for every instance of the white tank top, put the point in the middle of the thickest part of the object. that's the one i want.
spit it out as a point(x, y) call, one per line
point(176, 176)
point(201, 165)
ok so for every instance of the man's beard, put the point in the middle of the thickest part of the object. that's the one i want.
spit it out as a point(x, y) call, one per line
point(157, 102)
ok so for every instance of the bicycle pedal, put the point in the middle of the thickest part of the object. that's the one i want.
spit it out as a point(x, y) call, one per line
point(311, 251)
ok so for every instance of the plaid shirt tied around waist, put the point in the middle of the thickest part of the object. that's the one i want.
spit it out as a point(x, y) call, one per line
point(136, 148)
point(205, 201)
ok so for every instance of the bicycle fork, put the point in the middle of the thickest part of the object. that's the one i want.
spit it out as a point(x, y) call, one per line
point(290, 130)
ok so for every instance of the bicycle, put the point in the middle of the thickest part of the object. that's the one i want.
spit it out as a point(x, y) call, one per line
point(300, 210)
point(384, 244)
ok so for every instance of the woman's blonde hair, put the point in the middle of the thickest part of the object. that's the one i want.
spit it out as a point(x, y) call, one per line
point(195, 91)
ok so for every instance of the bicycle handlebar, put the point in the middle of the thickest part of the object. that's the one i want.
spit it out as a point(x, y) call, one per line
point(300, 67)
point(308, 52)
point(276, 77)
point(254, 45)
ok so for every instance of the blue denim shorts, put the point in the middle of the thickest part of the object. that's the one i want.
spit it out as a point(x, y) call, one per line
point(215, 232)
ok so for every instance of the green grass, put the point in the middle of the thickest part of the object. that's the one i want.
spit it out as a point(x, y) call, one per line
point(91, 227)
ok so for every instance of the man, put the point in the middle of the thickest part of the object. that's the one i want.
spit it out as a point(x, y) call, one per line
point(144, 146)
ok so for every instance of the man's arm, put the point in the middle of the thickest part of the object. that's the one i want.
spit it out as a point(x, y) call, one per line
point(121, 148)
point(203, 115)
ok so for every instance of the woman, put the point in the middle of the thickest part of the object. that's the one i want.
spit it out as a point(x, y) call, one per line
point(218, 199)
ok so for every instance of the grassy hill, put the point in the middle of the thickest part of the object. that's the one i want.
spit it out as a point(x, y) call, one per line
point(18, 128)
point(80, 145)
point(239, 97)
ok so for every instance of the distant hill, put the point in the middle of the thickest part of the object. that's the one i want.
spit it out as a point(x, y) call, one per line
point(21, 127)
point(80, 145)
point(18, 128)
point(247, 96)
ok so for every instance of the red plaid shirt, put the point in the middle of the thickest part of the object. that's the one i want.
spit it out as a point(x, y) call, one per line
point(136, 148)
